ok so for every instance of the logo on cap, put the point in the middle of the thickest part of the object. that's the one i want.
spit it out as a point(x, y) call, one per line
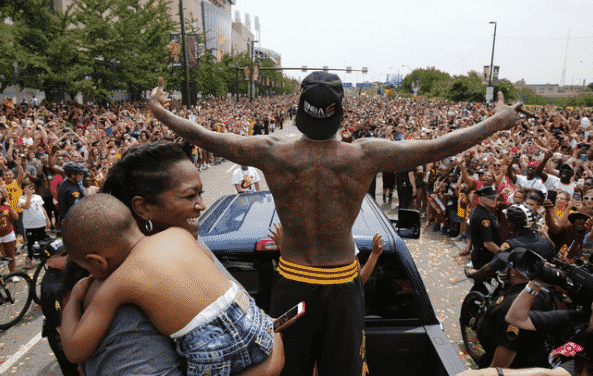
point(319, 113)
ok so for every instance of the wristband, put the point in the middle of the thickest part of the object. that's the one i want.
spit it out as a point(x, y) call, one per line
point(499, 370)
point(531, 291)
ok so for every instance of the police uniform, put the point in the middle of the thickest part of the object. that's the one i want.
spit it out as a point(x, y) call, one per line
point(494, 331)
point(69, 194)
point(533, 241)
point(483, 228)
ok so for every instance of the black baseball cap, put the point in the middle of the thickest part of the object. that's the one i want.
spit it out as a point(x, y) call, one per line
point(320, 106)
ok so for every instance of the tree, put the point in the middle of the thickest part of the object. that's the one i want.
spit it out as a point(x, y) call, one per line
point(124, 41)
point(427, 78)
point(465, 89)
point(39, 50)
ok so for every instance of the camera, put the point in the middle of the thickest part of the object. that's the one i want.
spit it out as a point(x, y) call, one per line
point(576, 279)
point(583, 145)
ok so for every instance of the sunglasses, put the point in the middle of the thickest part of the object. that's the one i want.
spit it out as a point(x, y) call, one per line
point(497, 165)
point(587, 198)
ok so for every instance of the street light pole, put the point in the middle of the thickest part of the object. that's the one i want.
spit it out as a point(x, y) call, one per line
point(492, 58)
point(185, 65)
point(251, 58)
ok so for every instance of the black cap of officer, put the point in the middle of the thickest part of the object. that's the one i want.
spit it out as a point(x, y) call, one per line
point(486, 192)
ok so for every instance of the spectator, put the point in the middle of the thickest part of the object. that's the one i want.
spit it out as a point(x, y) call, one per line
point(529, 182)
point(562, 182)
point(7, 238)
point(35, 219)
point(245, 179)
point(13, 191)
point(573, 235)
point(70, 189)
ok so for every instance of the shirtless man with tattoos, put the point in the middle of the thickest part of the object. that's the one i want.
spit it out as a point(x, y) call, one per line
point(318, 184)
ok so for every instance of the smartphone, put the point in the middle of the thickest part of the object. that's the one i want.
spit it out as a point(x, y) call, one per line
point(289, 317)
point(576, 196)
point(552, 196)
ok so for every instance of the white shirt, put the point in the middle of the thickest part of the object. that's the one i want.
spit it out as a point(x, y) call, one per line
point(553, 183)
point(535, 183)
point(246, 179)
point(34, 216)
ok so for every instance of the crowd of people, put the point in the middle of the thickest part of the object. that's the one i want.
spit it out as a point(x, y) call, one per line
point(443, 177)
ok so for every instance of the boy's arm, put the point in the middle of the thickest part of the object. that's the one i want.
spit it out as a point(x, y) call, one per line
point(369, 266)
point(82, 332)
point(385, 155)
point(252, 151)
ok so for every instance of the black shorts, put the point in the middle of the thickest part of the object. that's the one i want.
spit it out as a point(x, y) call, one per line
point(331, 331)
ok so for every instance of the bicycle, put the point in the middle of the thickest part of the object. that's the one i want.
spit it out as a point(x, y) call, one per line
point(46, 248)
point(474, 306)
point(15, 295)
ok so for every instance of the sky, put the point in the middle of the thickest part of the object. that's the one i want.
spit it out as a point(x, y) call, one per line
point(454, 36)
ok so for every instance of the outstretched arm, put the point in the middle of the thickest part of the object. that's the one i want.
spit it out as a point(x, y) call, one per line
point(251, 151)
point(404, 155)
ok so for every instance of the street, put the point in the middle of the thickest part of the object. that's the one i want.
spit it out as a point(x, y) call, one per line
point(24, 352)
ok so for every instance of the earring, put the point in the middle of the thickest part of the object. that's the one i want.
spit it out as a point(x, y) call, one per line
point(148, 226)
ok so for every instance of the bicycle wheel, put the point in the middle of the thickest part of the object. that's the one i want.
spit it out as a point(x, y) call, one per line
point(15, 298)
point(472, 310)
point(37, 278)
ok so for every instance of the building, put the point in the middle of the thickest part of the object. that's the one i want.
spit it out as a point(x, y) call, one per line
point(241, 38)
point(211, 16)
point(552, 91)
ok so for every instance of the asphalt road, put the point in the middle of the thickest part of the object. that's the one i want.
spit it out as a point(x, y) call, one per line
point(23, 352)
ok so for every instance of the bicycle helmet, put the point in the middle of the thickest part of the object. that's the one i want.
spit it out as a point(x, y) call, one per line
point(71, 168)
point(521, 216)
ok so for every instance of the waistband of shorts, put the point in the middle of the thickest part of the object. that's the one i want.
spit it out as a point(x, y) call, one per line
point(316, 275)
point(209, 313)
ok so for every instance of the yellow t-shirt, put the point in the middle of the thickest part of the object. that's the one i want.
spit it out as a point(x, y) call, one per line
point(14, 192)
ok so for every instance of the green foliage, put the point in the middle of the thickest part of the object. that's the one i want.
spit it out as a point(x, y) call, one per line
point(427, 78)
point(124, 41)
point(528, 96)
point(466, 89)
point(581, 100)
point(39, 49)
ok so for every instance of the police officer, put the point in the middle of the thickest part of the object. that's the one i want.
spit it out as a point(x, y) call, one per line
point(522, 219)
point(71, 189)
point(484, 228)
point(485, 233)
point(506, 345)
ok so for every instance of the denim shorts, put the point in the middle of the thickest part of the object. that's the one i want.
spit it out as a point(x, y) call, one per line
point(239, 335)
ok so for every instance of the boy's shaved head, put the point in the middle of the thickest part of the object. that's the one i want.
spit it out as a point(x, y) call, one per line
point(95, 222)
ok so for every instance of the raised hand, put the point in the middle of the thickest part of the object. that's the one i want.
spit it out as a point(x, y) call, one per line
point(158, 95)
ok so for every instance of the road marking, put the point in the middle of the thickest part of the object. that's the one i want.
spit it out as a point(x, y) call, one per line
point(22, 351)
point(232, 168)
